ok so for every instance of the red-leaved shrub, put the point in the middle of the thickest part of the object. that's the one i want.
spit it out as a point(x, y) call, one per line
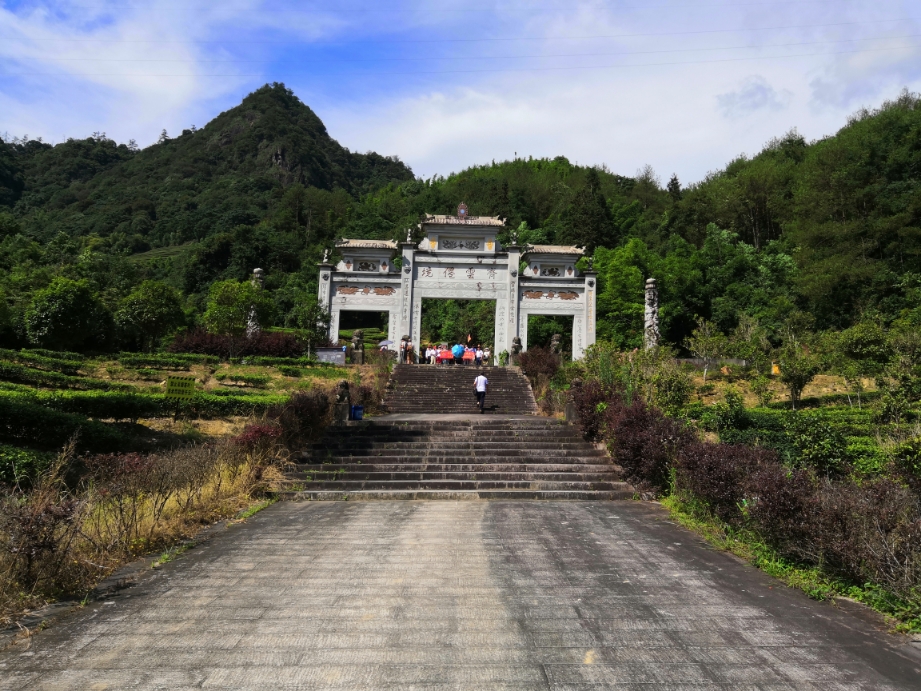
point(267, 344)
point(715, 473)
point(590, 401)
point(644, 442)
point(779, 502)
point(539, 362)
point(258, 436)
point(301, 418)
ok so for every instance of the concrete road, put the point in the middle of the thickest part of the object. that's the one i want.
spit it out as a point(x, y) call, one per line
point(461, 595)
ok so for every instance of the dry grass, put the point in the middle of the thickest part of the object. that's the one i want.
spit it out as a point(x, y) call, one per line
point(822, 385)
point(60, 538)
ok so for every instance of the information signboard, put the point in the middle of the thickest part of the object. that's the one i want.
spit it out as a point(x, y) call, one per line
point(180, 388)
point(335, 356)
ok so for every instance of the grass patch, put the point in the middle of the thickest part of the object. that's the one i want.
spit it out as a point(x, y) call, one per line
point(170, 555)
point(811, 580)
point(255, 508)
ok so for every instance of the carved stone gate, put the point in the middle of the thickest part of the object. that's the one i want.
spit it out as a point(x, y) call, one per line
point(459, 258)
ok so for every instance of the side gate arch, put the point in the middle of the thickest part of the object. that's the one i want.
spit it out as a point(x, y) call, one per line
point(460, 258)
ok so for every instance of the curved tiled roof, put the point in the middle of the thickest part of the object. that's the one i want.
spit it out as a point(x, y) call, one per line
point(366, 244)
point(554, 249)
point(465, 221)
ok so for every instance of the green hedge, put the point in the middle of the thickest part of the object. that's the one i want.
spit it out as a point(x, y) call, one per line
point(157, 361)
point(41, 361)
point(169, 359)
point(247, 379)
point(18, 465)
point(106, 405)
point(29, 423)
point(58, 354)
point(20, 374)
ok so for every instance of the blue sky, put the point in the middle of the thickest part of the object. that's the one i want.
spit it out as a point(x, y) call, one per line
point(683, 86)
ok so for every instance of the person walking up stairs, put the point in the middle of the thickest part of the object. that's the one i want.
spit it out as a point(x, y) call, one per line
point(481, 386)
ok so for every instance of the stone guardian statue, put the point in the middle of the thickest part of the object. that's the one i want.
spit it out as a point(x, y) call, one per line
point(358, 347)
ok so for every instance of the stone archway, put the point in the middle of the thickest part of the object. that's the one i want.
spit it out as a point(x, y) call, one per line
point(460, 257)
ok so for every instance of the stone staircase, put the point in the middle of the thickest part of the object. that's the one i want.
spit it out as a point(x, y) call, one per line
point(455, 457)
point(448, 389)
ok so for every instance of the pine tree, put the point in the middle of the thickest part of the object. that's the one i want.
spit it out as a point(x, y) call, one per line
point(674, 188)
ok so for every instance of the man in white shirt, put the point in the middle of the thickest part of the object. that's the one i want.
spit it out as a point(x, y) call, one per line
point(480, 385)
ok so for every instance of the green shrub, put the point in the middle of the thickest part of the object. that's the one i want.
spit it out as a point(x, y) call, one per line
point(818, 444)
point(29, 423)
point(106, 405)
point(154, 361)
point(257, 380)
point(41, 361)
point(18, 465)
point(57, 354)
point(20, 374)
point(290, 371)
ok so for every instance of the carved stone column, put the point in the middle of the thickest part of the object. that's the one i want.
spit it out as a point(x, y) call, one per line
point(513, 305)
point(651, 325)
point(407, 279)
point(324, 296)
point(253, 327)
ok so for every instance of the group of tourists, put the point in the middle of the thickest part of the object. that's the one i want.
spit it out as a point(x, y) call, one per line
point(458, 355)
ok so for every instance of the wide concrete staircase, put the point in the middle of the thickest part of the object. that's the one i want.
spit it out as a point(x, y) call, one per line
point(448, 389)
point(471, 457)
point(434, 445)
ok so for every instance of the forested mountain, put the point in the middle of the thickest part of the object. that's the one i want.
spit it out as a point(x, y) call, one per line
point(826, 233)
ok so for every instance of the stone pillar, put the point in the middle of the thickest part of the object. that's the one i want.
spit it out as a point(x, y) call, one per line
point(325, 295)
point(651, 324)
point(253, 327)
point(407, 274)
point(513, 305)
point(589, 317)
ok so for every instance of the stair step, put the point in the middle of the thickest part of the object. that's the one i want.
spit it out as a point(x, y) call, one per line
point(455, 495)
point(416, 467)
point(432, 455)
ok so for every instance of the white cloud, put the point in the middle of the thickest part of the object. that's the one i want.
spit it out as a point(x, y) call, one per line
point(685, 102)
point(754, 94)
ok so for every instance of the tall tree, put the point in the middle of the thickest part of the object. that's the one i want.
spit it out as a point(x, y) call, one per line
point(230, 307)
point(151, 311)
point(674, 188)
point(66, 315)
point(587, 222)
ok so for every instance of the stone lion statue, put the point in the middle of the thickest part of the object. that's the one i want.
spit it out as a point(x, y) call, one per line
point(516, 345)
point(556, 344)
point(342, 392)
point(358, 340)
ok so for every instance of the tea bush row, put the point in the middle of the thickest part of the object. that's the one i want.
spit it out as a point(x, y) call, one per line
point(20, 374)
point(44, 362)
point(32, 424)
point(256, 380)
point(105, 405)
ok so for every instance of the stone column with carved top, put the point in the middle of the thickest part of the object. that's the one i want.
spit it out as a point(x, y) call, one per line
point(651, 321)
point(514, 299)
point(407, 281)
point(324, 297)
